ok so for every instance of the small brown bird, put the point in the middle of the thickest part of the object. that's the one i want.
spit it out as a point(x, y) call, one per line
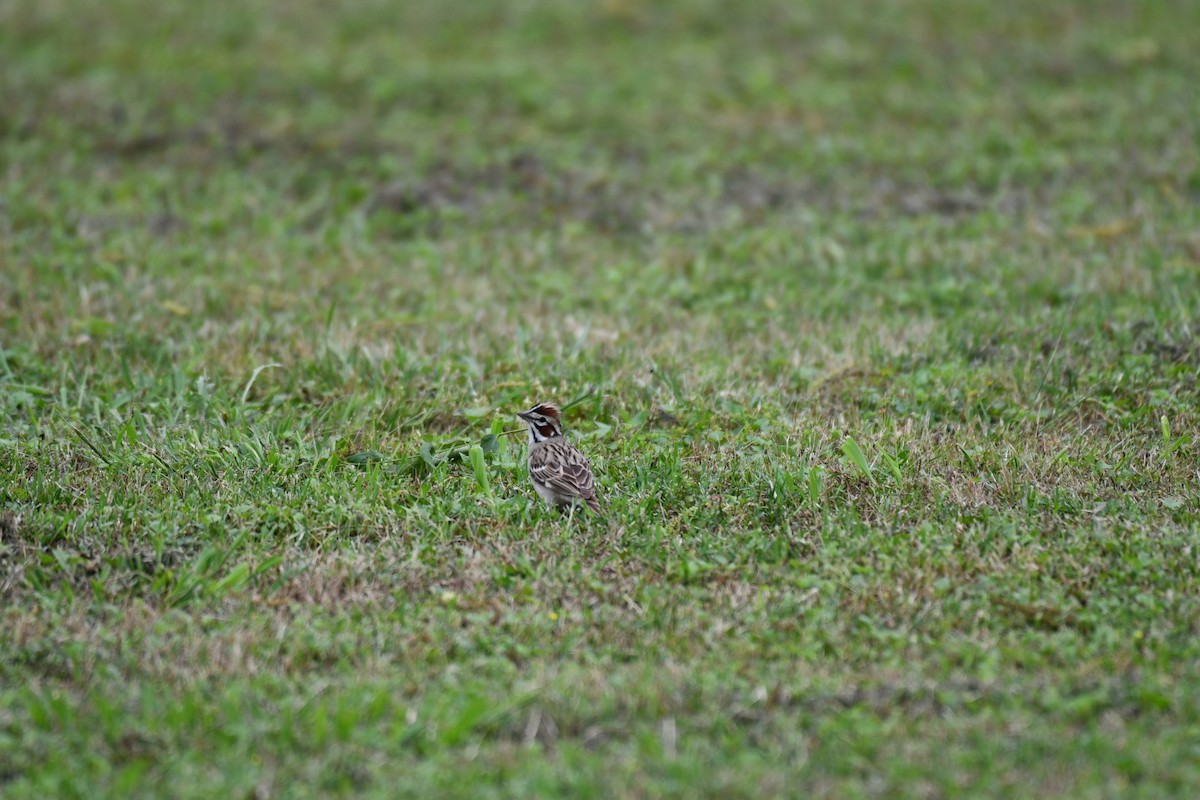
point(560, 473)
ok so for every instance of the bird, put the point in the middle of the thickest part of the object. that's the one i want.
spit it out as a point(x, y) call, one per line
point(561, 474)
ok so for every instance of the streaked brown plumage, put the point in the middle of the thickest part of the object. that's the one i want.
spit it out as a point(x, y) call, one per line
point(561, 474)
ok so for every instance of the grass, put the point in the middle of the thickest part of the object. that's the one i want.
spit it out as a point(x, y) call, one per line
point(882, 328)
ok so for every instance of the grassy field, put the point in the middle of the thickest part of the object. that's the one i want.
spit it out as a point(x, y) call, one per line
point(881, 323)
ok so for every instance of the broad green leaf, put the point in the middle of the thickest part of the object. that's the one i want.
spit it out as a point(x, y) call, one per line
point(365, 457)
point(855, 454)
point(481, 476)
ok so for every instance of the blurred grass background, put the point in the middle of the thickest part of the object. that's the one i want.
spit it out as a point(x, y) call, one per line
point(883, 320)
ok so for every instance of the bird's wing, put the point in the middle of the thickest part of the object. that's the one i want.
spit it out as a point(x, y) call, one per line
point(564, 469)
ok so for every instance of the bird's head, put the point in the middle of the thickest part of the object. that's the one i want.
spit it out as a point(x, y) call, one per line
point(544, 421)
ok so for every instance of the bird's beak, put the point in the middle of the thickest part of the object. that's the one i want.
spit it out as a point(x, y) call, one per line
point(523, 415)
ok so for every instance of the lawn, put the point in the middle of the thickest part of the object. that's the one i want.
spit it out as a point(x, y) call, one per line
point(880, 323)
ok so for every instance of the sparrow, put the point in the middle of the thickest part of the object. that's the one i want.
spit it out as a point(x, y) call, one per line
point(561, 474)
